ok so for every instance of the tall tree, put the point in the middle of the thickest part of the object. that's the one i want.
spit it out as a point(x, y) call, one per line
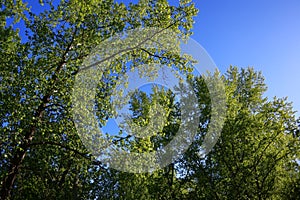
point(42, 157)
point(162, 183)
point(257, 151)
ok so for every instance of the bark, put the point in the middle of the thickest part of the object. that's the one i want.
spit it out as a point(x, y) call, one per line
point(19, 156)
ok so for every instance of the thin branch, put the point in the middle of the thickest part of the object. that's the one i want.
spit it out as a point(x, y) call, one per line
point(60, 145)
point(127, 49)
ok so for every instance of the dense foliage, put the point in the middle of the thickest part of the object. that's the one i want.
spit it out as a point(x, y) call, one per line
point(42, 157)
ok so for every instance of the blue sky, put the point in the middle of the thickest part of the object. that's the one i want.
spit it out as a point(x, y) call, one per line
point(261, 34)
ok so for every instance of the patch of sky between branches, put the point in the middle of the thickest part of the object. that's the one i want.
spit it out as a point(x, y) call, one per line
point(112, 128)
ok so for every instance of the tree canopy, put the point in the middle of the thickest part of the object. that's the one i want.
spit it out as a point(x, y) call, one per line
point(42, 155)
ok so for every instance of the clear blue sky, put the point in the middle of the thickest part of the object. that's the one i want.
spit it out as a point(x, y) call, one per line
point(263, 34)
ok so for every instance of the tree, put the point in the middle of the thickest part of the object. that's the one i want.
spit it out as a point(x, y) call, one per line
point(257, 151)
point(40, 150)
point(162, 183)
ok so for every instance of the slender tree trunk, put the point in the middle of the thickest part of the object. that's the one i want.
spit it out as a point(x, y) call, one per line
point(16, 162)
point(19, 156)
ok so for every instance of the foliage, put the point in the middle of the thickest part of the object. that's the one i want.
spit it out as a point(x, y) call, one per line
point(42, 157)
point(255, 155)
